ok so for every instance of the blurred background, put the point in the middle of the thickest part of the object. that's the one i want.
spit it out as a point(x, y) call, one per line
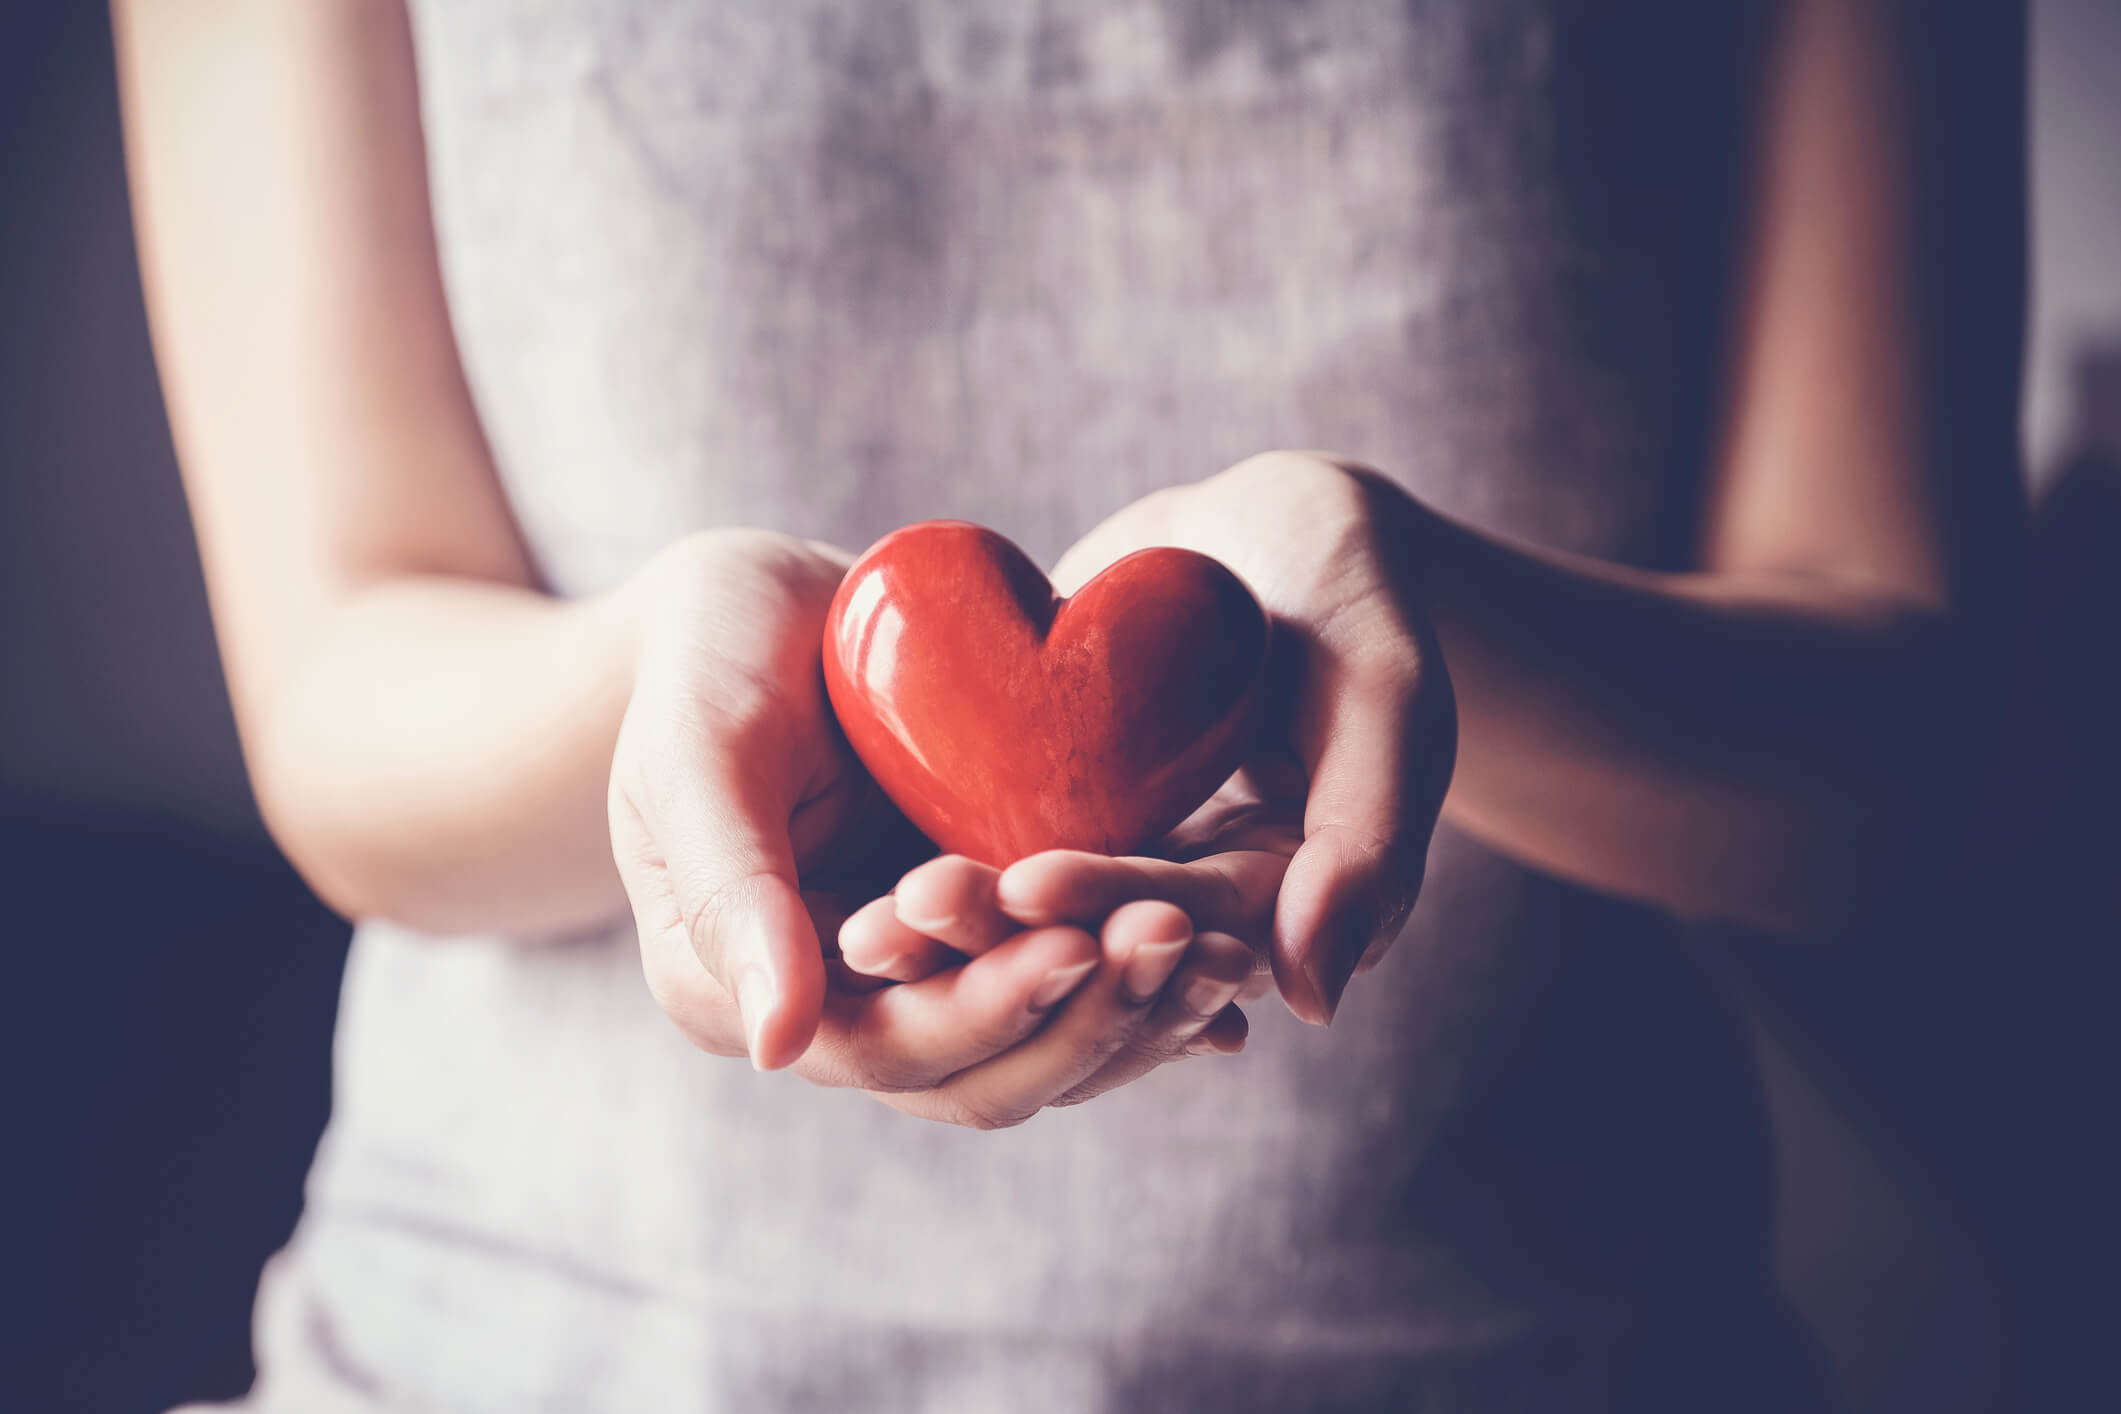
point(173, 984)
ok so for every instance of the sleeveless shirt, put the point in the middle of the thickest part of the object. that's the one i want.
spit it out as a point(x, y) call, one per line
point(832, 267)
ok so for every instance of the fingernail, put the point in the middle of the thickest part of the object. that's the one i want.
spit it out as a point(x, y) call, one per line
point(1329, 972)
point(1206, 1046)
point(1150, 968)
point(1059, 982)
point(1205, 996)
point(1328, 998)
point(755, 996)
point(929, 927)
point(1011, 899)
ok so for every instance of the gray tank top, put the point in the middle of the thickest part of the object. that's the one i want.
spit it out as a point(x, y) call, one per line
point(832, 267)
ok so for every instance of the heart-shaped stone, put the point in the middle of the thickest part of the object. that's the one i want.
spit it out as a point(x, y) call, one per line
point(1004, 720)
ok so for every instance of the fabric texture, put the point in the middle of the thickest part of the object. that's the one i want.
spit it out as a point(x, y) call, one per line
point(832, 267)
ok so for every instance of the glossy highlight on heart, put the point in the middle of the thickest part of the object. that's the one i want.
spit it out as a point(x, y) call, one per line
point(1004, 720)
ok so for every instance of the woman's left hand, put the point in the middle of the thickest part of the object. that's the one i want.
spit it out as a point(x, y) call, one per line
point(1162, 990)
point(1313, 853)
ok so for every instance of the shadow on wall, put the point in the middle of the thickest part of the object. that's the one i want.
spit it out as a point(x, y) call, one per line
point(109, 685)
point(2074, 907)
point(169, 1012)
point(166, 1021)
point(1966, 1033)
point(2037, 1047)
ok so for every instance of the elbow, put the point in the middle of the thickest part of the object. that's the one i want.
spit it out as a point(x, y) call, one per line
point(1795, 868)
point(1828, 859)
point(1921, 801)
point(341, 849)
point(1885, 781)
point(340, 873)
point(1848, 869)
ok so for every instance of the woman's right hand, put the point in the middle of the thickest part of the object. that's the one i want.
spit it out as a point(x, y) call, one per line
point(745, 832)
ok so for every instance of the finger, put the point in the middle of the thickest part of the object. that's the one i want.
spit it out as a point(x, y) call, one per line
point(873, 942)
point(913, 1037)
point(839, 977)
point(1142, 945)
point(1206, 987)
point(828, 915)
point(952, 900)
point(680, 986)
point(1230, 893)
point(1151, 937)
point(1379, 741)
point(1224, 1036)
point(723, 838)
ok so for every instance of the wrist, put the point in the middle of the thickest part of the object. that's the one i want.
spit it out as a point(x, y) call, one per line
point(688, 580)
point(1296, 525)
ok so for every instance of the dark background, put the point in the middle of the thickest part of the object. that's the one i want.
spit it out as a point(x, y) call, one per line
point(167, 1018)
point(166, 1013)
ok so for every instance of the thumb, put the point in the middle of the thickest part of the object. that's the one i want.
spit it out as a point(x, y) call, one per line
point(1379, 740)
point(724, 837)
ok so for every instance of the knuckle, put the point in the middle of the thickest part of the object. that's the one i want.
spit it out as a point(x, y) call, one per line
point(1367, 850)
point(706, 903)
point(1150, 1047)
point(880, 1065)
point(1245, 911)
point(983, 1115)
point(992, 1037)
point(1281, 467)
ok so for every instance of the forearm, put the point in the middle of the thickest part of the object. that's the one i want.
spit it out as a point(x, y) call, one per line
point(1746, 748)
point(428, 737)
point(441, 752)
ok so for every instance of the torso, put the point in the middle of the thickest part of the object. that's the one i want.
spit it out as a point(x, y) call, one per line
point(829, 268)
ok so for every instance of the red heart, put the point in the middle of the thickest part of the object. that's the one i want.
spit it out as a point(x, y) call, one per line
point(1004, 720)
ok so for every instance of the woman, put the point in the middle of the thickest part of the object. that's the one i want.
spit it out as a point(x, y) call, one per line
point(521, 582)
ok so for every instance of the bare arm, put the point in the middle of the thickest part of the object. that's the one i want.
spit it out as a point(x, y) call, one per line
point(1728, 746)
point(1750, 741)
point(434, 740)
point(429, 736)
point(1758, 739)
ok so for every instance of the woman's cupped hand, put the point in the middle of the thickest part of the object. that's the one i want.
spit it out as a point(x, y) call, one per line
point(1311, 856)
point(747, 834)
point(769, 875)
